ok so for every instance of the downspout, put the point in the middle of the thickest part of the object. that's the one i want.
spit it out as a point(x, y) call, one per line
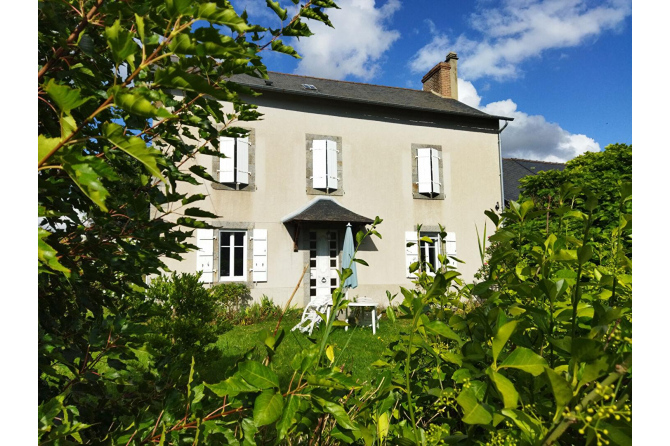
point(502, 185)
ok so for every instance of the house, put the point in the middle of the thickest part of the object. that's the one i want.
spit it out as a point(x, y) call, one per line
point(328, 153)
point(514, 169)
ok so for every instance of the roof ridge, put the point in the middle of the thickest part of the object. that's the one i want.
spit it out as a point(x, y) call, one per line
point(348, 82)
point(533, 161)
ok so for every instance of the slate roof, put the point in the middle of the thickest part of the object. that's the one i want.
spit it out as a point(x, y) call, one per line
point(326, 209)
point(514, 169)
point(328, 89)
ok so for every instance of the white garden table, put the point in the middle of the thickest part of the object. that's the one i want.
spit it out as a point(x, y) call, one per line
point(363, 305)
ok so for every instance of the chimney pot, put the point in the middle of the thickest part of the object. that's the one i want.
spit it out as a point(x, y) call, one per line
point(443, 78)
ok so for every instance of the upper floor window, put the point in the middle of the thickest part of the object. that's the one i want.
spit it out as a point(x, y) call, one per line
point(235, 171)
point(324, 165)
point(234, 168)
point(427, 171)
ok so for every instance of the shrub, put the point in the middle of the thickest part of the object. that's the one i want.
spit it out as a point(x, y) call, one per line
point(230, 298)
point(184, 311)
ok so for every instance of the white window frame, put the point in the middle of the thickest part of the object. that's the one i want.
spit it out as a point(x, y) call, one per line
point(425, 247)
point(420, 249)
point(232, 277)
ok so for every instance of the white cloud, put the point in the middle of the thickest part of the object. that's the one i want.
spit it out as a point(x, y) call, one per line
point(510, 35)
point(354, 47)
point(518, 31)
point(529, 136)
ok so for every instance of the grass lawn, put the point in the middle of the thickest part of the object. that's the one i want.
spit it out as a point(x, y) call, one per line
point(356, 348)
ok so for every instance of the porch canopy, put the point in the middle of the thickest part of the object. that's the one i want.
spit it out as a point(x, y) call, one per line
point(326, 210)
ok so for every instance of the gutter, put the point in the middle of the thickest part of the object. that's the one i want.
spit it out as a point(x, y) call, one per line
point(502, 184)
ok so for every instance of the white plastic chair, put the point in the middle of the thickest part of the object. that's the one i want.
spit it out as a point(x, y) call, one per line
point(310, 318)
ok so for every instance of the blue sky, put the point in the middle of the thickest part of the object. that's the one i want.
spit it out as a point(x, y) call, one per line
point(561, 68)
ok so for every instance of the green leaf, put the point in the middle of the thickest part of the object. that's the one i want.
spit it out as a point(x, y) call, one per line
point(202, 173)
point(193, 223)
point(258, 375)
point(525, 359)
point(250, 430)
point(509, 394)
point(46, 254)
point(232, 386)
point(337, 411)
point(586, 350)
point(197, 212)
point(121, 43)
point(530, 428)
point(281, 13)
point(560, 388)
point(224, 16)
point(278, 45)
point(66, 98)
point(438, 287)
point(139, 20)
point(288, 417)
point(178, 7)
point(473, 411)
point(86, 172)
point(361, 261)
point(172, 77)
point(192, 198)
point(501, 338)
point(584, 254)
point(44, 146)
point(442, 329)
point(133, 101)
point(268, 407)
point(135, 147)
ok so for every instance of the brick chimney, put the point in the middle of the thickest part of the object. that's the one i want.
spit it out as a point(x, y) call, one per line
point(443, 78)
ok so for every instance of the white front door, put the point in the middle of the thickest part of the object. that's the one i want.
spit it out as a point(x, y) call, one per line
point(324, 262)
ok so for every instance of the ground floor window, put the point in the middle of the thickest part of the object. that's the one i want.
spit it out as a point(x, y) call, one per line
point(233, 255)
point(429, 250)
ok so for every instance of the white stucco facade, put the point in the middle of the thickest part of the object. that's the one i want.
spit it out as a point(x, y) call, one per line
point(377, 169)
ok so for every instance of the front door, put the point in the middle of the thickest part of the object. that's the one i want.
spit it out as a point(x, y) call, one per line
point(324, 262)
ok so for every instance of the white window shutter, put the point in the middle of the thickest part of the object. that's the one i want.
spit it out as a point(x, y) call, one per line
point(411, 252)
point(205, 254)
point(319, 180)
point(260, 250)
point(435, 166)
point(227, 164)
point(331, 151)
point(451, 247)
point(423, 170)
point(243, 160)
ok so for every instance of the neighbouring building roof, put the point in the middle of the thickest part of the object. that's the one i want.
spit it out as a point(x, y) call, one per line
point(356, 92)
point(514, 169)
point(325, 209)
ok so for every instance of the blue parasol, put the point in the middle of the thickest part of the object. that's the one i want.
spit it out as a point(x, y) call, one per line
point(347, 255)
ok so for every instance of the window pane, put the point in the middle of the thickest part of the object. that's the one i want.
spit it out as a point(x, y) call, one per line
point(239, 238)
point(225, 238)
point(312, 282)
point(312, 235)
point(333, 263)
point(239, 258)
point(312, 263)
point(225, 261)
